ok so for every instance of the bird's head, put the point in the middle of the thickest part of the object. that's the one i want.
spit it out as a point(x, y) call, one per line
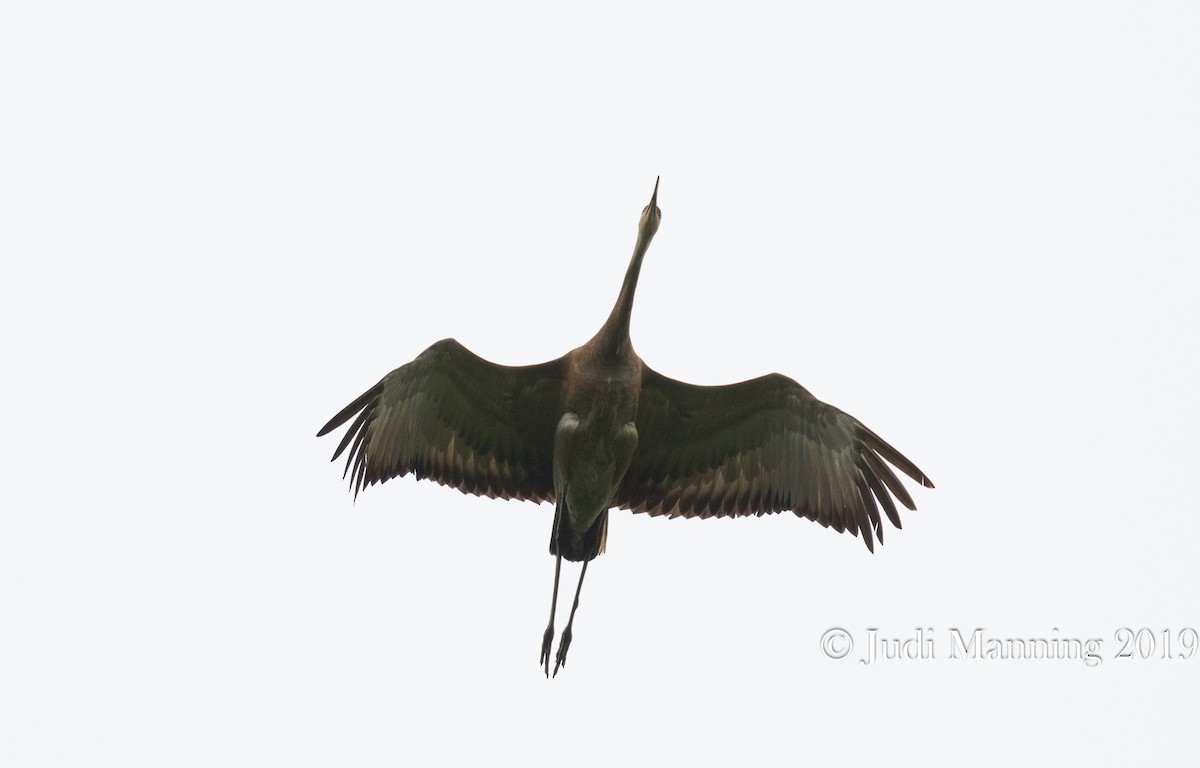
point(651, 216)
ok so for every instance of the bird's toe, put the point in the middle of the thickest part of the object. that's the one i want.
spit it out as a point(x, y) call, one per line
point(563, 644)
point(547, 641)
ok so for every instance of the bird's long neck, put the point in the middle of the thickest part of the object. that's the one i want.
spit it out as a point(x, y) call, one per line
point(613, 338)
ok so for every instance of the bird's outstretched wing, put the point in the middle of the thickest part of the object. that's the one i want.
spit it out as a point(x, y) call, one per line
point(453, 417)
point(758, 447)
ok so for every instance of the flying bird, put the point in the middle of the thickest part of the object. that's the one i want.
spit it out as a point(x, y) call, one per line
point(598, 428)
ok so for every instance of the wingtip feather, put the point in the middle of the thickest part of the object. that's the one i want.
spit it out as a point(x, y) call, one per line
point(346, 413)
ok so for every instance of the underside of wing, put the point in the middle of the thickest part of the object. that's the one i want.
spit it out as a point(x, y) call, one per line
point(759, 447)
point(453, 417)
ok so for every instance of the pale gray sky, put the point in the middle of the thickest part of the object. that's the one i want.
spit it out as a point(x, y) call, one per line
point(974, 229)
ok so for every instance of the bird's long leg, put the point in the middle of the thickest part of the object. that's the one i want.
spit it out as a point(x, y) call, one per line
point(565, 642)
point(548, 638)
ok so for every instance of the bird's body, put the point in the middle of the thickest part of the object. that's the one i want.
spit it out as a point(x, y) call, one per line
point(593, 446)
point(598, 428)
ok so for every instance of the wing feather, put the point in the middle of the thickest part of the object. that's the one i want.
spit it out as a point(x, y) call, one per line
point(453, 417)
point(758, 447)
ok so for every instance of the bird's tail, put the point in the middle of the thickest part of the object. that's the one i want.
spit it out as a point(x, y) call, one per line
point(577, 550)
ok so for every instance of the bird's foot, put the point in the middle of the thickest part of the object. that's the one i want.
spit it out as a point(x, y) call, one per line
point(547, 640)
point(563, 644)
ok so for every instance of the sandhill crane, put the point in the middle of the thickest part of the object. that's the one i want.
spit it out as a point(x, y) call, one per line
point(598, 428)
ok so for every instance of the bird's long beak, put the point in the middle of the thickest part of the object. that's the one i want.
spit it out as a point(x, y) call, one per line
point(654, 197)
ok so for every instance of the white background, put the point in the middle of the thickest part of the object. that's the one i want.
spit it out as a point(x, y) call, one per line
point(973, 228)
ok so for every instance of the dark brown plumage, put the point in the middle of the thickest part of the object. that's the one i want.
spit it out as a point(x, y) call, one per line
point(597, 428)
